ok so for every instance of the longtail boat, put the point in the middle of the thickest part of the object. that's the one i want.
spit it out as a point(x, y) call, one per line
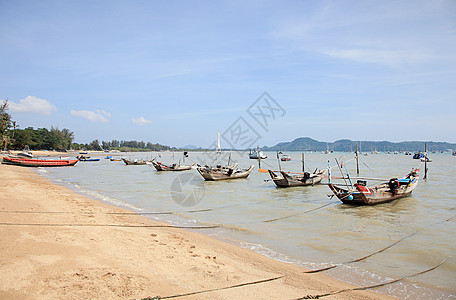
point(360, 194)
point(284, 179)
point(135, 162)
point(224, 172)
point(173, 167)
point(29, 162)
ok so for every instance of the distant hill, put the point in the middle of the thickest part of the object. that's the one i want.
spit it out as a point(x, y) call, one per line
point(191, 147)
point(306, 143)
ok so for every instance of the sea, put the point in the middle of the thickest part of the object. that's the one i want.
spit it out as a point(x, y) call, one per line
point(304, 226)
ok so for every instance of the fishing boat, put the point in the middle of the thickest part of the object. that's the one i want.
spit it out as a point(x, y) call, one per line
point(284, 179)
point(425, 159)
point(30, 162)
point(257, 154)
point(86, 158)
point(223, 172)
point(136, 162)
point(26, 154)
point(360, 194)
point(418, 155)
point(173, 167)
point(285, 157)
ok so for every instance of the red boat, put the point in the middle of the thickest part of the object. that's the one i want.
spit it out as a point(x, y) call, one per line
point(28, 162)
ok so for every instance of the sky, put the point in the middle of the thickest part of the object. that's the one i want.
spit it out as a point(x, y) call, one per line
point(178, 72)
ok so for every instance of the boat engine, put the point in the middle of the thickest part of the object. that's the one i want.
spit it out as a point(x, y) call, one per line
point(393, 184)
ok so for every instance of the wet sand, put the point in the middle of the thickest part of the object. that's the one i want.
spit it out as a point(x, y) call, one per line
point(59, 244)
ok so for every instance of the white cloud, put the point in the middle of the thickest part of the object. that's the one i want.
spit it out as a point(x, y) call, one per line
point(388, 57)
point(93, 116)
point(34, 105)
point(141, 121)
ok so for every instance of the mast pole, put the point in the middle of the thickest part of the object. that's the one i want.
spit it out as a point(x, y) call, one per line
point(425, 162)
point(357, 162)
point(303, 163)
point(258, 156)
point(278, 161)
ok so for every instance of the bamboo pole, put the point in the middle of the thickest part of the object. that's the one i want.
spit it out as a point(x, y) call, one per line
point(425, 161)
point(357, 163)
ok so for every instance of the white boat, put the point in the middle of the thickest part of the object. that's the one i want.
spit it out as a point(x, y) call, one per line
point(26, 154)
point(257, 154)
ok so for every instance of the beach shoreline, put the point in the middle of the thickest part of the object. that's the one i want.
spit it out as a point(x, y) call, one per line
point(57, 243)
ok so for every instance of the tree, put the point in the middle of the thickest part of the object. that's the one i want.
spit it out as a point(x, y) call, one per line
point(5, 125)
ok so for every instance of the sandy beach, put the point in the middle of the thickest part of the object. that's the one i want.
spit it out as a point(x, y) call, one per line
point(59, 244)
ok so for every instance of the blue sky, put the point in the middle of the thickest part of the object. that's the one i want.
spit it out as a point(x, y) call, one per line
point(176, 72)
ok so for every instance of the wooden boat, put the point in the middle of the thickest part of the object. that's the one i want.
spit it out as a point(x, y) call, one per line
point(224, 173)
point(173, 167)
point(393, 189)
point(284, 179)
point(135, 162)
point(29, 162)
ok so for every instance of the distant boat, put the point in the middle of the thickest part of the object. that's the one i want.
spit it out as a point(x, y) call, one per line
point(136, 162)
point(425, 159)
point(284, 179)
point(224, 173)
point(408, 153)
point(257, 154)
point(218, 150)
point(26, 154)
point(87, 158)
point(173, 167)
point(29, 162)
point(360, 194)
point(285, 157)
point(418, 155)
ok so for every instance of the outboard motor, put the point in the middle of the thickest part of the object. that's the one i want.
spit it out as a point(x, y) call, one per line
point(393, 184)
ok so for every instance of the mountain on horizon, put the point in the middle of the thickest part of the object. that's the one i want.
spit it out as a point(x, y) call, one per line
point(307, 143)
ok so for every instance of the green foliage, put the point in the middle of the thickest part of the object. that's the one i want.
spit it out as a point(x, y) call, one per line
point(43, 139)
point(5, 125)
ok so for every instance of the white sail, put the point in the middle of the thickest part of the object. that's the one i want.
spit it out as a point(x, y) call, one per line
point(219, 149)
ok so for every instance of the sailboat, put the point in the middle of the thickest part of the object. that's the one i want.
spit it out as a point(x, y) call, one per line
point(218, 149)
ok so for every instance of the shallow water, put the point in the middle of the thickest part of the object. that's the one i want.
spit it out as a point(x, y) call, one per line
point(312, 229)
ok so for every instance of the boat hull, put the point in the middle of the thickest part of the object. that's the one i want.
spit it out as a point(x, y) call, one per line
point(28, 162)
point(162, 167)
point(381, 193)
point(286, 180)
point(214, 174)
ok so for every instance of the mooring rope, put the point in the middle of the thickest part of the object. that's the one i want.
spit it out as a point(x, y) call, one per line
point(371, 286)
point(295, 214)
point(378, 251)
point(107, 225)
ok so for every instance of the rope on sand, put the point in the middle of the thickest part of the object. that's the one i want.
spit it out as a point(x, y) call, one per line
point(108, 225)
point(369, 287)
point(219, 289)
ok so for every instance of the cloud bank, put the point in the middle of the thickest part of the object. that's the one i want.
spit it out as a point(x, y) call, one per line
point(141, 121)
point(93, 116)
point(32, 104)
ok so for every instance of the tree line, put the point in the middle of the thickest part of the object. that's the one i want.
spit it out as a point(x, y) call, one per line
point(13, 138)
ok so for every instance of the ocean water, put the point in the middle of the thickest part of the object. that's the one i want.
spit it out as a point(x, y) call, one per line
point(300, 225)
